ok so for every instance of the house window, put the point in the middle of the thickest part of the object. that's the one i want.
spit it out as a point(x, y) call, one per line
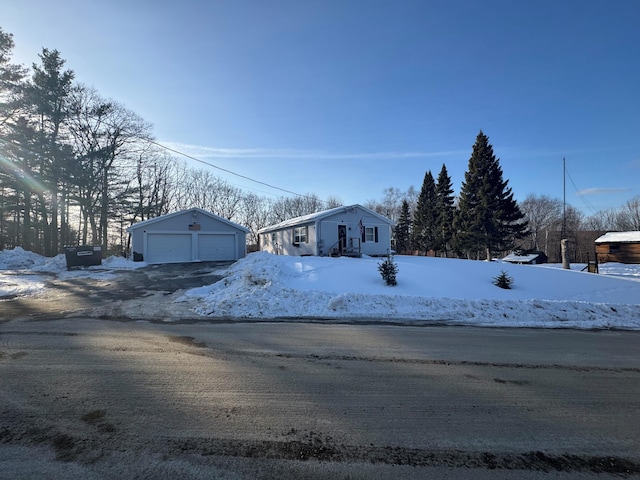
point(273, 238)
point(370, 234)
point(300, 235)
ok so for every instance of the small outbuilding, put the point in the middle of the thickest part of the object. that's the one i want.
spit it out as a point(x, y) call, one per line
point(529, 257)
point(622, 247)
point(343, 231)
point(187, 236)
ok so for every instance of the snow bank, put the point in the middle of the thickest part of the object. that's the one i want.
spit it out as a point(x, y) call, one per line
point(429, 290)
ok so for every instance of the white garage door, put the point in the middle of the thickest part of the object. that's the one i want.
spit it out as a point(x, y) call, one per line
point(216, 247)
point(168, 248)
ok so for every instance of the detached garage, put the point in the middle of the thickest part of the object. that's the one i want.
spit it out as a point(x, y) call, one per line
point(193, 235)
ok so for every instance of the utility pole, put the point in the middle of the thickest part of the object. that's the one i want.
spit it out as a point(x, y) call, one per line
point(563, 241)
point(564, 198)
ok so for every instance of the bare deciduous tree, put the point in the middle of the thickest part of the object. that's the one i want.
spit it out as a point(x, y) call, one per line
point(628, 219)
point(543, 214)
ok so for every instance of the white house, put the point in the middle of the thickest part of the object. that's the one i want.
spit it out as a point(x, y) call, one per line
point(187, 236)
point(351, 230)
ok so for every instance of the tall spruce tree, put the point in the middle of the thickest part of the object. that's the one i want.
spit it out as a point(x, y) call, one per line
point(488, 218)
point(445, 210)
point(403, 229)
point(425, 216)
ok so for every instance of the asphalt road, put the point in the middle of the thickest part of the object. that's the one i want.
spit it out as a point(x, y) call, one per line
point(103, 399)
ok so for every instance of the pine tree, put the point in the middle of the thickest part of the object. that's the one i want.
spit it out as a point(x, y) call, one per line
point(403, 229)
point(48, 94)
point(445, 211)
point(488, 217)
point(425, 216)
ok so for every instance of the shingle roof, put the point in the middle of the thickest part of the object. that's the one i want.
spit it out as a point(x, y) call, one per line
point(305, 219)
point(200, 211)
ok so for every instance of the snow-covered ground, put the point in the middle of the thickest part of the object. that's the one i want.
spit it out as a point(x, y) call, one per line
point(23, 273)
point(265, 286)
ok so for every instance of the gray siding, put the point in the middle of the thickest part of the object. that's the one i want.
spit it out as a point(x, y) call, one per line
point(180, 223)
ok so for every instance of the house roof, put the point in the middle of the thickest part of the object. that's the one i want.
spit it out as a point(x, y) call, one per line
point(619, 237)
point(200, 211)
point(313, 217)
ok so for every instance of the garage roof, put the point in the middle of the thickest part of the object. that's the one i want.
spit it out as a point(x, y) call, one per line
point(200, 211)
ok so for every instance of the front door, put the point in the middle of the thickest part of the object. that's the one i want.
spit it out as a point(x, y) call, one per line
point(342, 238)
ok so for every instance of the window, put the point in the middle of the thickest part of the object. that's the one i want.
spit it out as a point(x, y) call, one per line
point(370, 234)
point(273, 238)
point(299, 235)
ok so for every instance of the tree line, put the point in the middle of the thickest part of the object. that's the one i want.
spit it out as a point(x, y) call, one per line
point(77, 168)
point(485, 219)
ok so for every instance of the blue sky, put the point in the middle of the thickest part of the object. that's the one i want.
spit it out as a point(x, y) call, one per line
point(346, 98)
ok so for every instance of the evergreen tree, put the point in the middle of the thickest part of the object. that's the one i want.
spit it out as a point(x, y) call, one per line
point(48, 95)
point(445, 210)
point(11, 83)
point(488, 218)
point(425, 216)
point(11, 77)
point(403, 229)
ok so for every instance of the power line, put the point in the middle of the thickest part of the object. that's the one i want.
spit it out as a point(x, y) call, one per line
point(225, 170)
point(229, 171)
point(587, 204)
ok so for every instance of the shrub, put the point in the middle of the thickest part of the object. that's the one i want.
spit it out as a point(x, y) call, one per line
point(503, 280)
point(388, 269)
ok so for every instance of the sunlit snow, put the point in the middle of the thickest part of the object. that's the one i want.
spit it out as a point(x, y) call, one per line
point(430, 290)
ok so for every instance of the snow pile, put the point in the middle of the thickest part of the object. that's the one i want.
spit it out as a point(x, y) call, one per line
point(23, 272)
point(20, 260)
point(429, 290)
point(17, 266)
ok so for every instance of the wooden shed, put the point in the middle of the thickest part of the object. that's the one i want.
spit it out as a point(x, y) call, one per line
point(622, 247)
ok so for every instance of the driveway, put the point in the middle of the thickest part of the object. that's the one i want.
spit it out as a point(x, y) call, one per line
point(149, 291)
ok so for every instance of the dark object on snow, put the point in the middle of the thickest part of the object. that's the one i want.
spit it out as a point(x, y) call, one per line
point(137, 257)
point(83, 256)
point(503, 280)
point(526, 257)
point(388, 269)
